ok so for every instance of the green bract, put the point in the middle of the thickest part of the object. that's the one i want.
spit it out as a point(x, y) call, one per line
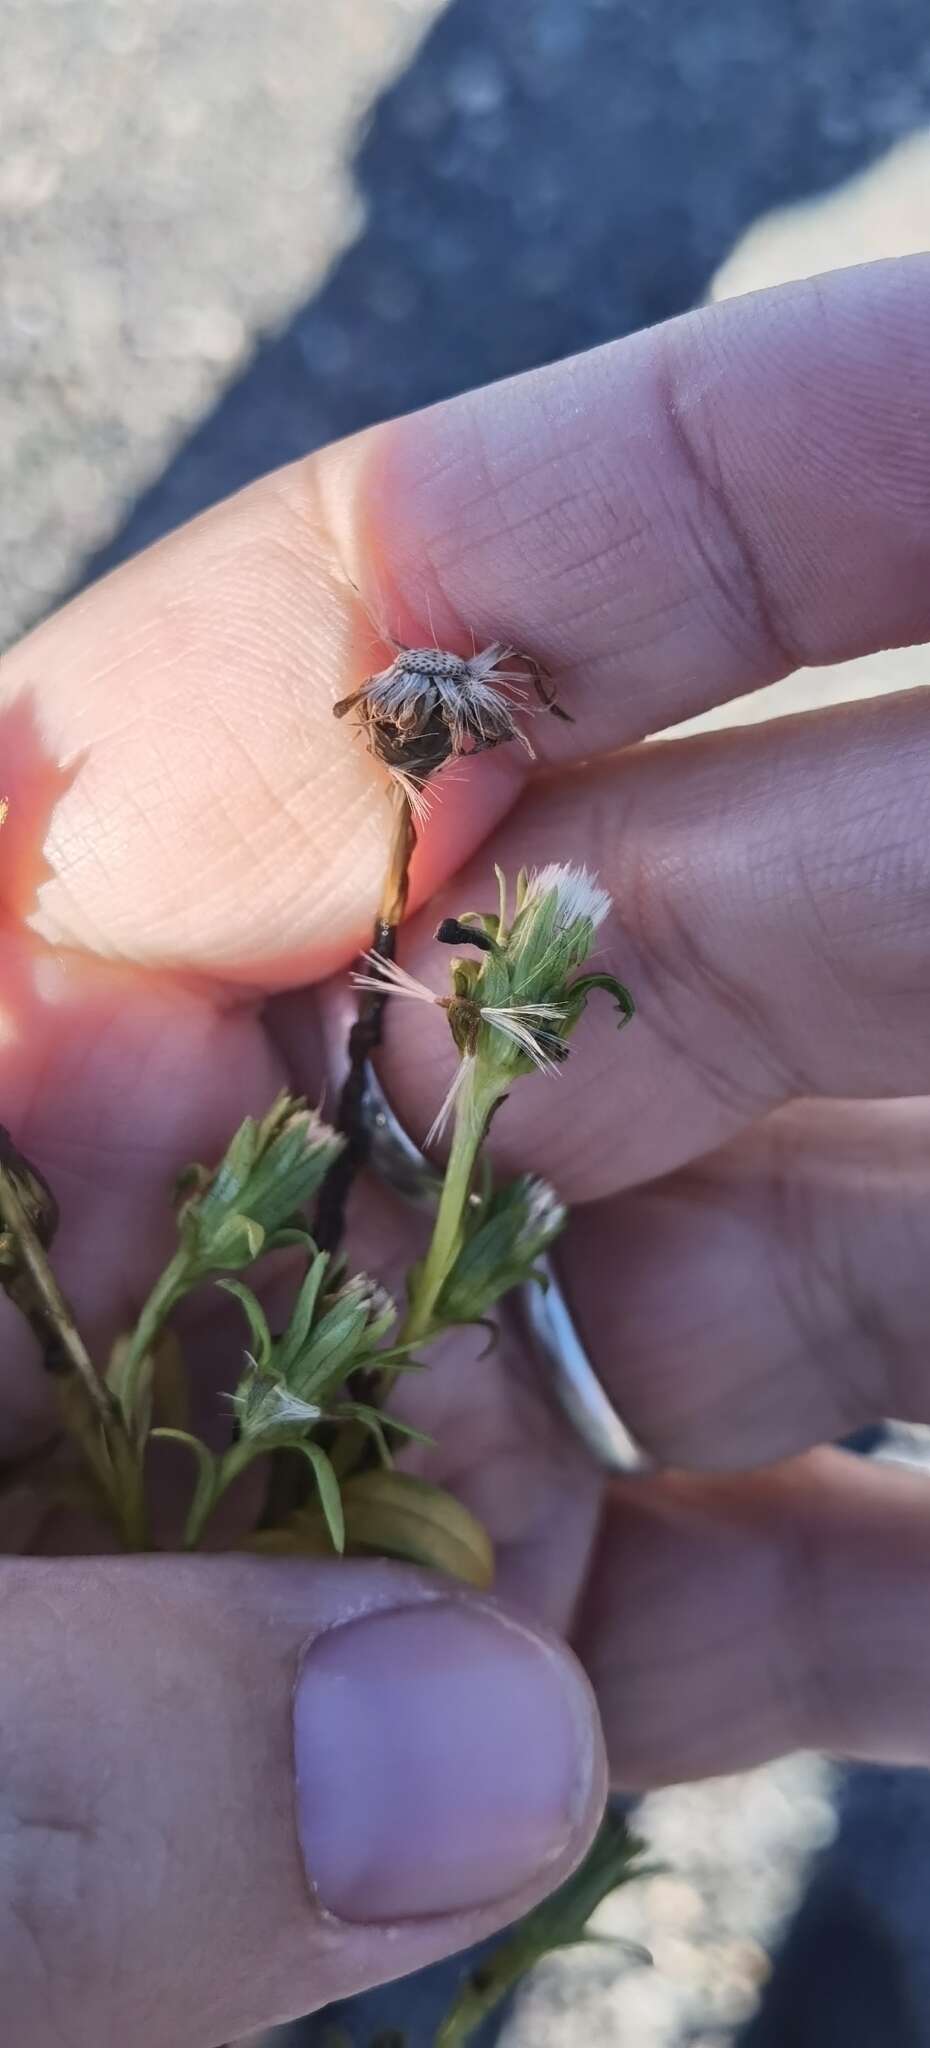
point(515, 1007)
point(267, 1174)
point(506, 1232)
point(332, 1334)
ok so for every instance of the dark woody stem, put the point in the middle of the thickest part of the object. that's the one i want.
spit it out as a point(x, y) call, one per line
point(365, 1037)
point(87, 1408)
point(287, 1484)
point(34, 1290)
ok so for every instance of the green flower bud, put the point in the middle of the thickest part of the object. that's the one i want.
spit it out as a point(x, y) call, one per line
point(506, 1234)
point(269, 1171)
point(514, 1007)
point(331, 1335)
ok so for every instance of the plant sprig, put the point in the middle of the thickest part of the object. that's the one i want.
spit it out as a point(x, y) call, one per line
point(319, 1387)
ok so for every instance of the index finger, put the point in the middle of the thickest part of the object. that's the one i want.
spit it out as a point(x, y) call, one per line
point(680, 517)
point(668, 521)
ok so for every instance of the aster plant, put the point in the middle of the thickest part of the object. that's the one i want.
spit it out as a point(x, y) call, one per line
point(313, 1397)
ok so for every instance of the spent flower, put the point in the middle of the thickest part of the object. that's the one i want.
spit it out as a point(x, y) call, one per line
point(514, 1008)
point(429, 706)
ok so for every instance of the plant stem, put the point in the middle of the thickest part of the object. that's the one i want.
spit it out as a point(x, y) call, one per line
point(41, 1298)
point(168, 1290)
point(213, 1476)
point(287, 1482)
point(472, 1112)
point(472, 1115)
point(87, 1409)
point(365, 1036)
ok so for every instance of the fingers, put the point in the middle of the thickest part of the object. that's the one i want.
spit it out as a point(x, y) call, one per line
point(180, 794)
point(677, 518)
point(769, 1298)
point(731, 1621)
point(233, 1791)
point(772, 908)
point(684, 515)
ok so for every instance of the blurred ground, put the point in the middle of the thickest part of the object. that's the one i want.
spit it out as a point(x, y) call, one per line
point(174, 177)
point(208, 265)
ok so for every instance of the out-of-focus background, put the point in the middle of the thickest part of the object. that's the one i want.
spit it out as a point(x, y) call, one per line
point(228, 233)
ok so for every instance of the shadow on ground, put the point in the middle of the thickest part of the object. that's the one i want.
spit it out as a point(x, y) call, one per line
point(547, 175)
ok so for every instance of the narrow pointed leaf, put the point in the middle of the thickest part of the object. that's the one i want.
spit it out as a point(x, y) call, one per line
point(328, 1489)
point(396, 1515)
point(255, 1317)
point(560, 1922)
point(405, 1429)
point(298, 1329)
point(170, 1384)
point(582, 988)
point(282, 1240)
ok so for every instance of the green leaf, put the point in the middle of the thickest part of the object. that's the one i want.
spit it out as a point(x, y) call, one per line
point(298, 1329)
point(560, 1922)
point(206, 1459)
point(234, 1241)
point(291, 1234)
point(377, 1422)
point(170, 1383)
point(328, 1489)
point(391, 1514)
point(397, 1515)
point(506, 1235)
point(581, 989)
point(269, 1170)
point(333, 1350)
point(138, 1409)
point(208, 1473)
point(294, 1152)
point(256, 1319)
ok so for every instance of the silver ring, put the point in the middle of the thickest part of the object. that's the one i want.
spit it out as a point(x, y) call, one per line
point(543, 1312)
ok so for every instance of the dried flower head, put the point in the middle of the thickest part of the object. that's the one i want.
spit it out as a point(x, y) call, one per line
point(429, 706)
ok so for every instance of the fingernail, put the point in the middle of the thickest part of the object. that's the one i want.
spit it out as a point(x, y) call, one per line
point(445, 1755)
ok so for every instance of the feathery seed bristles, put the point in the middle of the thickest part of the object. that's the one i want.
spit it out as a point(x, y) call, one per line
point(524, 1024)
point(388, 977)
point(428, 707)
point(441, 1120)
point(579, 893)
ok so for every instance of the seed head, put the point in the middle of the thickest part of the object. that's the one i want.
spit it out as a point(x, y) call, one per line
point(430, 706)
point(516, 1006)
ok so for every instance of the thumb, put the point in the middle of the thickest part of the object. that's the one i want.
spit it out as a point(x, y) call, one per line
point(233, 1789)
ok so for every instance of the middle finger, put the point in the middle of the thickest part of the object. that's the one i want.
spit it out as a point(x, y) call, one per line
point(772, 893)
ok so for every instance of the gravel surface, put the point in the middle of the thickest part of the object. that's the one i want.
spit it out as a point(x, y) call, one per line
point(736, 1850)
point(175, 175)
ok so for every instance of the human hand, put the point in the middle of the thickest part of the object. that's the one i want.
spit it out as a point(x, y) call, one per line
point(192, 842)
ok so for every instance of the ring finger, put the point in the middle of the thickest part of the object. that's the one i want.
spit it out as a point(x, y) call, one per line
point(770, 1297)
